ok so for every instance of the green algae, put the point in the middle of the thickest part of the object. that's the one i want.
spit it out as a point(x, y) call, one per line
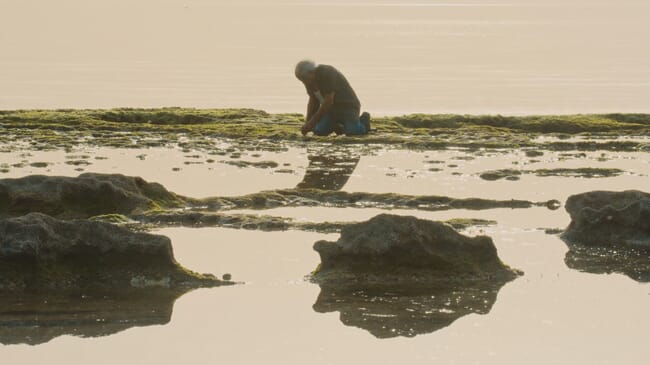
point(342, 199)
point(137, 128)
point(162, 218)
point(585, 172)
point(111, 218)
point(256, 164)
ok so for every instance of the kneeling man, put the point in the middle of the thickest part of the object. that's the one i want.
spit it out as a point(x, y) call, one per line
point(333, 106)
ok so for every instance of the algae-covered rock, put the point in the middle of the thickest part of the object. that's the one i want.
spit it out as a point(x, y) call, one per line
point(403, 276)
point(38, 318)
point(81, 197)
point(39, 253)
point(609, 233)
point(609, 219)
point(406, 251)
point(500, 174)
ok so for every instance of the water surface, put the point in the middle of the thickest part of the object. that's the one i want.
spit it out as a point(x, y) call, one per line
point(470, 56)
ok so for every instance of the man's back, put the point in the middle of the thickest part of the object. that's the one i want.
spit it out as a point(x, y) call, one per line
point(329, 79)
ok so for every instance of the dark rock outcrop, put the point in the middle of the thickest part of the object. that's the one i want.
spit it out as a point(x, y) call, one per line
point(407, 251)
point(609, 219)
point(39, 253)
point(37, 319)
point(609, 233)
point(81, 197)
point(403, 276)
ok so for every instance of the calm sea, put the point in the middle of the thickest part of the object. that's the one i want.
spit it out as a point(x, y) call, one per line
point(468, 56)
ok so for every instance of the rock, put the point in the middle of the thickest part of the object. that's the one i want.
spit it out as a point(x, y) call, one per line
point(534, 153)
point(39, 253)
point(81, 197)
point(500, 174)
point(38, 318)
point(609, 233)
point(609, 219)
point(391, 250)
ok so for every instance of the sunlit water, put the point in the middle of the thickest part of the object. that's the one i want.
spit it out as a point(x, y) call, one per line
point(471, 56)
point(551, 315)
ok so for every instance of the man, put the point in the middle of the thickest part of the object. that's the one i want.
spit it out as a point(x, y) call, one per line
point(333, 106)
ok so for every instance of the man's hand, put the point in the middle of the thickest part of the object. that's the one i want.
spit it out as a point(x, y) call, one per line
point(305, 129)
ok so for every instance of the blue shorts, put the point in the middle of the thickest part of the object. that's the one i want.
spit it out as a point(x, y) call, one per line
point(348, 119)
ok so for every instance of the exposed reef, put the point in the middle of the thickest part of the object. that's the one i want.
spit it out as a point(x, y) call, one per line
point(402, 251)
point(342, 199)
point(81, 197)
point(609, 232)
point(256, 222)
point(109, 197)
point(39, 254)
point(587, 172)
point(51, 129)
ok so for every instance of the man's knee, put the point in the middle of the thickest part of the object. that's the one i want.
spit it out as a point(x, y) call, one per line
point(354, 129)
point(324, 126)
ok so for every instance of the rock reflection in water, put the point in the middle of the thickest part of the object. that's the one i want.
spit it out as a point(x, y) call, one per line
point(387, 313)
point(37, 319)
point(599, 260)
point(328, 170)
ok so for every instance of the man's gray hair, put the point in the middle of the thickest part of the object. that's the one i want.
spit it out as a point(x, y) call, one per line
point(304, 67)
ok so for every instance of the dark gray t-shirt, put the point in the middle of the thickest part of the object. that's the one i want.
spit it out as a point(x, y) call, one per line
point(329, 79)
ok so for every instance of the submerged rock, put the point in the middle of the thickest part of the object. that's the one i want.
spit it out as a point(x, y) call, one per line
point(39, 253)
point(609, 219)
point(81, 197)
point(37, 319)
point(391, 250)
point(609, 233)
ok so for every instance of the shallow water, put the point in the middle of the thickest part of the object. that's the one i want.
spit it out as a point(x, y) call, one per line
point(552, 314)
point(474, 56)
point(454, 173)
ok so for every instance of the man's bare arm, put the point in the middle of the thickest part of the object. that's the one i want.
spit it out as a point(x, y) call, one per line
point(325, 106)
point(312, 107)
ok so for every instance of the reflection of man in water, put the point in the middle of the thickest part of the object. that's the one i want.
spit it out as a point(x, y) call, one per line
point(328, 172)
point(333, 106)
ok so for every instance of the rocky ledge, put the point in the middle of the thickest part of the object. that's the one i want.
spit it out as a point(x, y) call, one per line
point(81, 197)
point(609, 219)
point(609, 233)
point(391, 250)
point(39, 253)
